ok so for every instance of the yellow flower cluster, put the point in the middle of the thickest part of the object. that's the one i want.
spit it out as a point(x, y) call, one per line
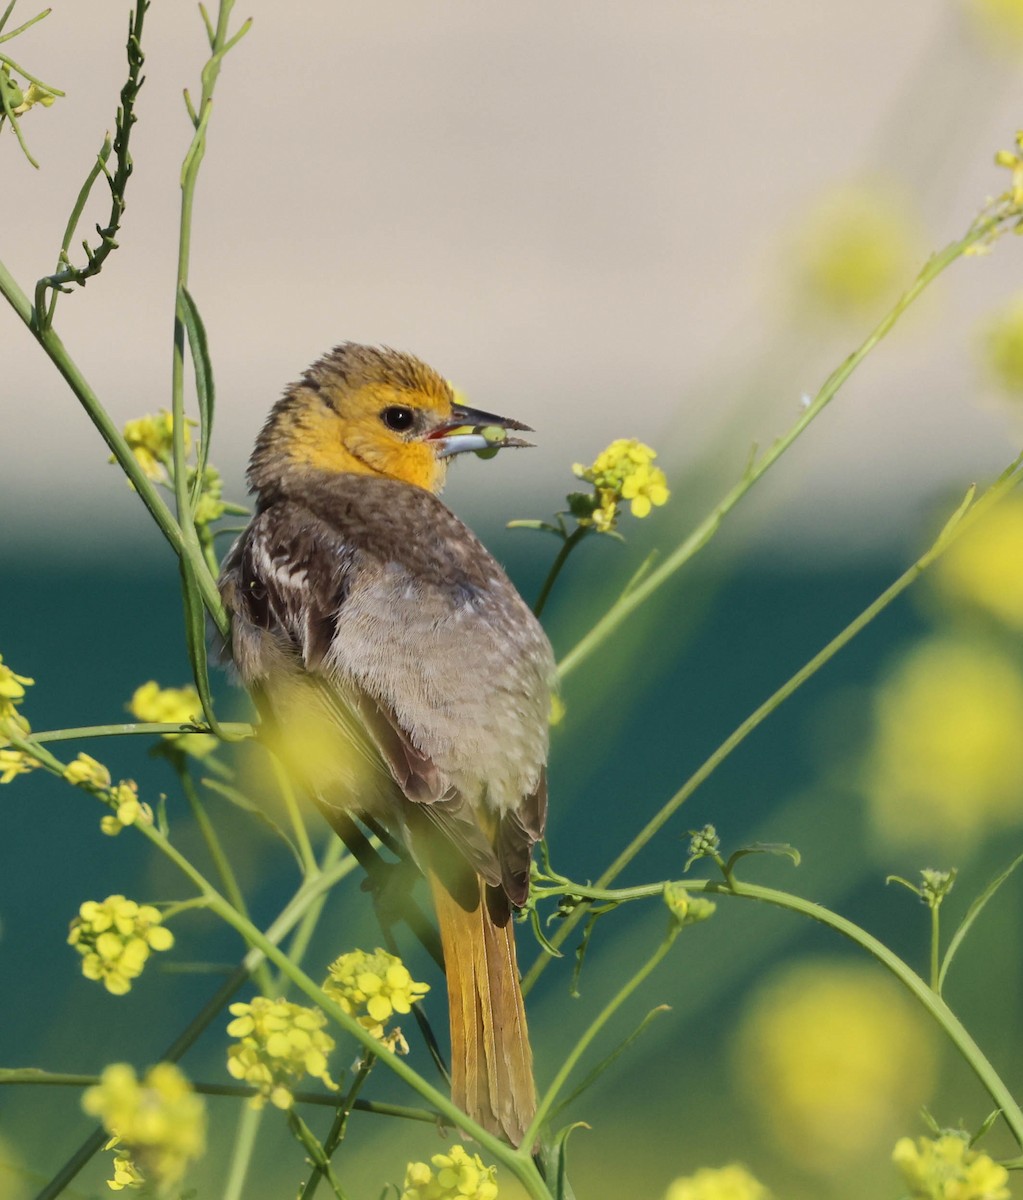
point(832, 1056)
point(151, 440)
point(624, 471)
point(278, 1043)
point(115, 937)
point(173, 706)
point(210, 504)
point(946, 1168)
point(456, 1175)
point(1013, 161)
point(12, 692)
point(158, 1124)
point(87, 773)
point(371, 987)
point(946, 765)
point(718, 1183)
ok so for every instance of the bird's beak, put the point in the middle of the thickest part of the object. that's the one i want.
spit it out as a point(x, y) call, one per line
point(471, 429)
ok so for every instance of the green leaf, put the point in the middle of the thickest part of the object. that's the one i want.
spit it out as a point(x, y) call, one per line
point(972, 913)
point(779, 849)
point(246, 805)
point(557, 1159)
point(620, 1049)
point(204, 389)
point(985, 1126)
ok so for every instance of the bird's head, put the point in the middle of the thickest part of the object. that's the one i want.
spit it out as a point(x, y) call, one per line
point(373, 411)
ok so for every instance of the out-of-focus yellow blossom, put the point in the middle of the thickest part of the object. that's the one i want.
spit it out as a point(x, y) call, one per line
point(151, 440)
point(85, 771)
point(173, 706)
point(946, 765)
point(279, 1042)
point(624, 471)
point(1012, 160)
point(1000, 23)
point(454, 1175)
point(718, 1183)
point(855, 247)
point(371, 987)
point(945, 1168)
point(210, 504)
point(115, 937)
point(1001, 345)
point(985, 567)
point(832, 1057)
point(158, 1124)
point(130, 809)
point(12, 691)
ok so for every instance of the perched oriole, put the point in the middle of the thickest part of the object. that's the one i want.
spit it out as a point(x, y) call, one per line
point(410, 679)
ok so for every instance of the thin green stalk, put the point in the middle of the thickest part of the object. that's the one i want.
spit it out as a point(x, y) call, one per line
point(981, 230)
point(220, 860)
point(317, 1153)
point(962, 519)
point(13, 33)
point(596, 1025)
point(238, 729)
point(246, 1132)
point(567, 546)
point(338, 1128)
point(305, 846)
point(936, 948)
point(927, 996)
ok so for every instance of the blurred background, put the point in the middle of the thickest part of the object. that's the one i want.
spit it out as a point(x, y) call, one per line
point(654, 220)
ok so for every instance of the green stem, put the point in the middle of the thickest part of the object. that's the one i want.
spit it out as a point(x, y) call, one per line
point(305, 847)
point(246, 1132)
point(935, 948)
point(963, 518)
point(339, 1127)
point(595, 1026)
point(931, 1001)
point(702, 534)
point(567, 546)
point(237, 729)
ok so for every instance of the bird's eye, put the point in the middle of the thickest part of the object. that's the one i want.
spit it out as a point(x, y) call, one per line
point(398, 418)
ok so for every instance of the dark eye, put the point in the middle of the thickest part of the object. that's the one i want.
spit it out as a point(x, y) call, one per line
point(398, 418)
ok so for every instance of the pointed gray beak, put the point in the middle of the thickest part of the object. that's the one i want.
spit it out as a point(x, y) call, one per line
point(472, 429)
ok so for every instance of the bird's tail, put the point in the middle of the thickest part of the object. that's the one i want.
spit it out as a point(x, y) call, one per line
point(491, 1061)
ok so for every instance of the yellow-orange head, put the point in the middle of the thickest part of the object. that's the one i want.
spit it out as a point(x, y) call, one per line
point(370, 410)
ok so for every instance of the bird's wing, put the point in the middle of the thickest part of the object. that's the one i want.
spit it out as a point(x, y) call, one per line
point(309, 584)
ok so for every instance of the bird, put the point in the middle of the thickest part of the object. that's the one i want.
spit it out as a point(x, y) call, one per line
point(408, 682)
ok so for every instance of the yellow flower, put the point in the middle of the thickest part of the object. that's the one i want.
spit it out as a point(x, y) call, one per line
point(946, 1168)
point(946, 766)
point(160, 1122)
point(130, 809)
point(15, 762)
point(371, 987)
point(151, 440)
point(33, 94)
point(985, 567)
point(173, 706)
point(85, 771)
point(456, 1175)
point(12, 691)
point(1001, 343)
point(718, 1183)
point(1012, 160)
point(623, 471)
point(854, 248)
point(831, 1057)
point(278, 1043)
point(115, 937)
